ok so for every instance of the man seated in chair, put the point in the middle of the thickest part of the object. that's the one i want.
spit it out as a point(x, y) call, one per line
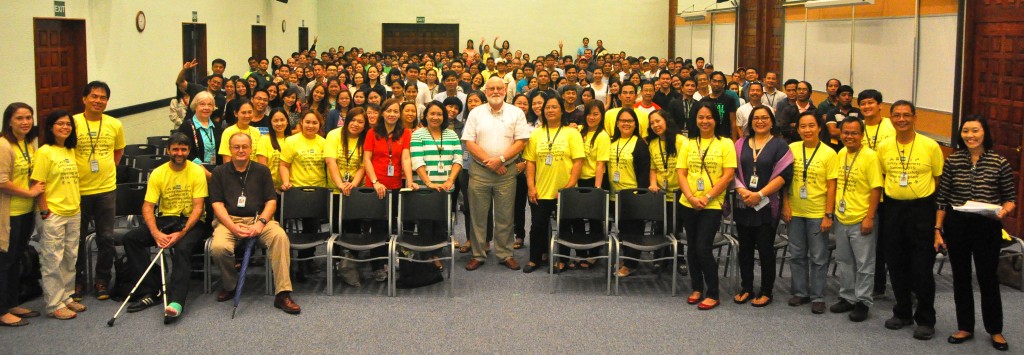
point(244, 201)
point(179, 188)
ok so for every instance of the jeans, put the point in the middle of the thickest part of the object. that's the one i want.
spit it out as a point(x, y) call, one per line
point(809, 261)
point(855, 256)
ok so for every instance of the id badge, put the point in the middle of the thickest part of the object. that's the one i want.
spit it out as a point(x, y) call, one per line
point(391, 169)
point(94, 166)
point(548, 159)
point(615, 176)
point(346, 178)
point(842, 206)
point(753, 182)
point(803, 192)
point(241, 202)
point(904, 180)
point(700, 184)
point(440, 166)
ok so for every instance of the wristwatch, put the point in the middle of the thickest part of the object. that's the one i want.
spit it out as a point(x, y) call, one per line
point(502, 158)
point(830, 215)
point(262, 220)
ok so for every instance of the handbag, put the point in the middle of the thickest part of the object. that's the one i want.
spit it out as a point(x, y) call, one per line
point(1009, 269)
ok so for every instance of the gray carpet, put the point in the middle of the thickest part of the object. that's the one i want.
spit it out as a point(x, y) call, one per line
point(496, 310)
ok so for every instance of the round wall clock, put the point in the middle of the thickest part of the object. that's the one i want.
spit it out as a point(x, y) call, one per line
point(140, 21)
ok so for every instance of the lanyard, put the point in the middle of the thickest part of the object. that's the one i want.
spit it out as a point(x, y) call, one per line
point(618, 149)
point(440, 144)
point(25, 154)
point(703, 155)
point(547, 132)
point(808, 161)
point(389, 149)
point(847, 168)
point(93, 142)
point(905, 160)
point(661, 150)
point(771, 98)
point(757, 151)
point(245, 177)
point(874, 141)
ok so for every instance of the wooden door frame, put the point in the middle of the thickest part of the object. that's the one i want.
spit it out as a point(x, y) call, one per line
point(200, 56)
point(81, 63)
point(251, 39)
point(303, 46)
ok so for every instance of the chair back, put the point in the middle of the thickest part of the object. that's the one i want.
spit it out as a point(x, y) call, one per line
point(128, 175)
point(583, 203)
point(640, 205)
point(150, 162)
point(424, 205)
point(306, 202)
point(130, 198)
point(134, 150)
point(362, 204)
point(159, 141)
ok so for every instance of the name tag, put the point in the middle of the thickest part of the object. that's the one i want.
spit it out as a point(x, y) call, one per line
point(615, 176)
point(241, 202)
point(753, 182)
point(904, 180)
point(842, 206)
point(803, 192)
point(94, 166)
point(391, 169)
point(549, 159)
point(700, 184)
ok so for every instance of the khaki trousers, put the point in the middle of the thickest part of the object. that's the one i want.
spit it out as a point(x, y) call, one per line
point(58, 252)
point(486, 189)
point(273, 237)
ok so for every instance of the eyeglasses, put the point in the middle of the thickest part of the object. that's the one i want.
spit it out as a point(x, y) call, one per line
point(240, 147)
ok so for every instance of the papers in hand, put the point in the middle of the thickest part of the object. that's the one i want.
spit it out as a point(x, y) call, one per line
point(985, 209)
point(760, 205)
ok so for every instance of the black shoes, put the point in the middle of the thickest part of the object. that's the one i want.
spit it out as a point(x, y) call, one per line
point(924, 332)
point(842, 306)
point(148, 300)
point(859, 313)
point(895, 323)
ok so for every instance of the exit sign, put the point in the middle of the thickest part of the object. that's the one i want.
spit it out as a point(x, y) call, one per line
point(58, 9)
point(421, 19)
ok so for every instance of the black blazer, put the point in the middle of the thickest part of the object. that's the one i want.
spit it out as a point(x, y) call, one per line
point(195, 143)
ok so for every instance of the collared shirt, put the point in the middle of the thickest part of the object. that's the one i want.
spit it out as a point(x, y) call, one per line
point(496, 131)
point(206, 135)
point(226, 185)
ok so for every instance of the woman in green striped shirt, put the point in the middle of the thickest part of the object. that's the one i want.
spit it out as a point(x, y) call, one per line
point(436, 158)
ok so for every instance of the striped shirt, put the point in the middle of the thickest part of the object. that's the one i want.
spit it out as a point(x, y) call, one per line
point(438, 156)
point(988, 181)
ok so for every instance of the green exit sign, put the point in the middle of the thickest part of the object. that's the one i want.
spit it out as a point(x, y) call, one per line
point(421, 19)
point(59, 10)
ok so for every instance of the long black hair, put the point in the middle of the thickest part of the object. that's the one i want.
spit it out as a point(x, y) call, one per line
point(671, 131)
point(987, 143)
point(52, 118)
point(695, 131)
point(632, 114)
point(533, 117)
point(590, 106)
point(381, 127)
point(287, 130)
point(352, 114)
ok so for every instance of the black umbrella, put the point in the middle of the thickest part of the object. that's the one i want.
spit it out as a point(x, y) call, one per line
point(249, 243)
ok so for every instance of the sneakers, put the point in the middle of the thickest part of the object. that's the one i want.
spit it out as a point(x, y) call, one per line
point(924, 332)
point(102, 291)
point(380, 275)
point(897, 323)
point(859, 313)
point(75, 306)
point(146, 301)
point(842, 306)
point(63, 313)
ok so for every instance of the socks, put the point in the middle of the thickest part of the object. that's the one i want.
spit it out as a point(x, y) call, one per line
point(173, 309)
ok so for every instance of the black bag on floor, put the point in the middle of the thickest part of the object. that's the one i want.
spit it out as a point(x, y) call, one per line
point(1009, 269)
point(413, 274)
point(125, 278)
point(30, 276)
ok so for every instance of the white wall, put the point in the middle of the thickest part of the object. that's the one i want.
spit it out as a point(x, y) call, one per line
point(140, 67)
point(638, 27)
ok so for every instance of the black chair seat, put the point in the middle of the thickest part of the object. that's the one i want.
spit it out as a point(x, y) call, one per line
point(644, 242)
point(581, 241)
point(362, 241)
point(307, 240)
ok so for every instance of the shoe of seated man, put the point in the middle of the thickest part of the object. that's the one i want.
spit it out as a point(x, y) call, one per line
point(146, 301)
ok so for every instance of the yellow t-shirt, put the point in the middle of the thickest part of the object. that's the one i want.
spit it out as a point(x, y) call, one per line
point(19, 177)
point(612, 115)
point(719, 154)
point(821, 167)
point(598, 151)
point(98, 141)
point(922, 163)
point(265, 149)
point(559, 146)
point(873, 135)
point(173, 190)
point(664, 165)
point(307, 159)
point(57, 167)
point(858, 174)
point(348, 164)
point(620, 164)
point(225, 139)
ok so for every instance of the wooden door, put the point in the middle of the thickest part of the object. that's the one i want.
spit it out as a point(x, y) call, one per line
point(193, 44)
point(60, 64)
point(992, 77)
point(419, 38)
point(760, 31)
point(303, 38)
point(259, 41)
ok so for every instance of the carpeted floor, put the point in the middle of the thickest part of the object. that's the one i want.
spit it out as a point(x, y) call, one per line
point(496, 310)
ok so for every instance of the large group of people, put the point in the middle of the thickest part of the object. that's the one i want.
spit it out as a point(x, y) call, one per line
point(505, 132)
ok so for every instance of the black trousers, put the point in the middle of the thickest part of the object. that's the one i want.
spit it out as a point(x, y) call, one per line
point(519, 214)
point(910, 251)
point(136, 246)
point(99, 209)
point(701, 227)
point(540, 230)
point(762, 239)
point(967, 236)
point(10, 261)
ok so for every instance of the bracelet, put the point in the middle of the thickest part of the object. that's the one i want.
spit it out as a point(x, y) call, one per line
point(760, 194)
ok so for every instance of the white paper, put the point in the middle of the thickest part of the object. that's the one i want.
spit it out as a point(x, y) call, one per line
point(760, 205)
point(985, 209)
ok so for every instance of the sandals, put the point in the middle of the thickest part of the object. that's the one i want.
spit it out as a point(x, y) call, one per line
point(63, 313)
point(704, 306)
point(761, 301)
point(584, 265)
point(18, 323)
point(25, 314)
point(741, 297)
point(75, 306)
point(465, 248)
point(518, 244)
point(694, 297)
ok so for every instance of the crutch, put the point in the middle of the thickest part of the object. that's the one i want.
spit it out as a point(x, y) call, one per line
point(160, 257)
point(163, 287)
